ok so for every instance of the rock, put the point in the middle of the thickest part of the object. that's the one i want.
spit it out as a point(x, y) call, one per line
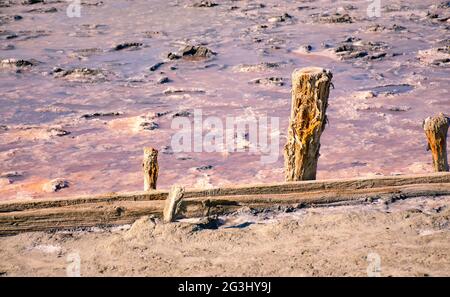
point(205, 3)
point(435, 57)
point(173, 56)
point(257, 67)
point(364, 95)
point(304, 49)
point(30, 2)
point(148, 125)
point(153, 34)
point(334, 18)
point(377, 56)
point(5, 19)
point(353, 48)
point(84, 53)
point(392, 89)
point(43, 10)
point(269, 81)
point(280, 19)
point(160, 114)
point(80, 74)
point(381, 28)
point(208, 223)
point(16, 63)
point(445, 4)
point(55, 185)
point(101, 114)
point(163, 80)
point(57, 132)
point(205, 167)
point(128, 45)
point(183, 113)
point(197, 51)
point(156, 66)
point(6, 35)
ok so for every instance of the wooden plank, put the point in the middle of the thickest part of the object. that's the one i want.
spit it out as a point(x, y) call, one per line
point(257, 189)
point(123, 212)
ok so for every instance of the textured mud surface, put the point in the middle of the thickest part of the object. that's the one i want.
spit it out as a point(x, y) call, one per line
point(81, 97)
point(409, 238)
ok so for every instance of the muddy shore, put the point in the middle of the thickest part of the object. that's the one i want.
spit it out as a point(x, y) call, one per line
point(408, 238)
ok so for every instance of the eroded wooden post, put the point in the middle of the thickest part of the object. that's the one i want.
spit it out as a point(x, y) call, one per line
point(310, 90)
point(436, 129)
point(151, 168)
point(172, 204)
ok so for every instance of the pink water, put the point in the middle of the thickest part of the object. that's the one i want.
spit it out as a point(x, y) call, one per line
point(364, 136)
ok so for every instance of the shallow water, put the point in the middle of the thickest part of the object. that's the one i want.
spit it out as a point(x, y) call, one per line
point(365, 136)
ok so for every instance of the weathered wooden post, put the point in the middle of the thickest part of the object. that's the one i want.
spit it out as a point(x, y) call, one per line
point(436, 129)
point(151, 168)
point(173, 203)
point(310, 90)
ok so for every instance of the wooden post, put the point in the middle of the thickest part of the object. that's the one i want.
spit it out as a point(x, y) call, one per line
point(172, 204)
point(310, 90)
point(436, 131)
point(151, 168)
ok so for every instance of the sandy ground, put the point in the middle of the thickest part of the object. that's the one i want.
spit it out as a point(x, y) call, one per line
point(407, 238)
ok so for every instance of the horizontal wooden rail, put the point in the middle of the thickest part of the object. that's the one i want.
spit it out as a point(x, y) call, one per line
point(124, 208)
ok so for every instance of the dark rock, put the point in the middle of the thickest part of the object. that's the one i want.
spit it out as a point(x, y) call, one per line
point(269, 81)
point(335, 18)
point(156, 66)
point(17, 63)
point(208, 223)
point(392, 89)
point(43, 10)
point(352, 48)
point(127, 45)
point(149, 125)
point(441, 62)
point(445, 4)
point(197, 51)
point(183, 113)
point(280, 19)
point(377, 56)
point(205, 3)
point(101, 114)
point(80, 74)
point(205, 167)
point(30, 2)
point(163, 80)
point(173, 56)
